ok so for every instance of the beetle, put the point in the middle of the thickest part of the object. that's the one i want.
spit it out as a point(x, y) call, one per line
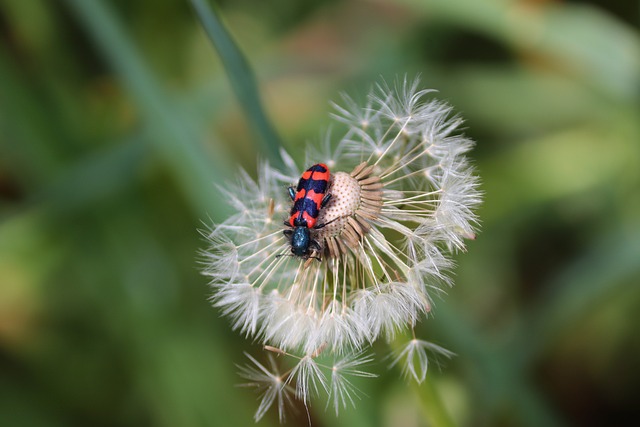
point(308, 198)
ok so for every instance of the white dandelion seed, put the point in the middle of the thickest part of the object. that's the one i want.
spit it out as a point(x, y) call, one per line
point(308, 376)
point(270, 384)
point(342, 390)
point(403, 196)
point(415, 360)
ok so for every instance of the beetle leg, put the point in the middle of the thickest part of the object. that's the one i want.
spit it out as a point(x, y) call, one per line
point(279, 255)
point(292, 193)
point(316, 257)
point(313, 244)
point(326, 223)
point(325, 200)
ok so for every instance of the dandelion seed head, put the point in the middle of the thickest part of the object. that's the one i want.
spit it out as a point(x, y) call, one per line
point(403, 196)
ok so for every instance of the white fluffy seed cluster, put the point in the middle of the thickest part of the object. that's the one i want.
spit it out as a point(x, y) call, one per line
point(403, 199)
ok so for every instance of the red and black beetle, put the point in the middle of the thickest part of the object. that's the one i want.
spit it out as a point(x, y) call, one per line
point(308, 198)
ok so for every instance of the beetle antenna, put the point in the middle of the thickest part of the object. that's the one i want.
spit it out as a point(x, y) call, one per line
point(327, 223)
point(279, 255)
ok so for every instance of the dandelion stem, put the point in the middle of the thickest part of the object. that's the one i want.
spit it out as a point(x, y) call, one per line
point(432, 405)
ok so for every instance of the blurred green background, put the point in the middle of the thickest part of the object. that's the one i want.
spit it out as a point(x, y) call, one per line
point(117, 119)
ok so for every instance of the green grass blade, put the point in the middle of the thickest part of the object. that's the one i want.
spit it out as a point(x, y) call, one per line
point(242, 79)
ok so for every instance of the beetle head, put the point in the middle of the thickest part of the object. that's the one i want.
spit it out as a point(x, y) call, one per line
point(300, 241)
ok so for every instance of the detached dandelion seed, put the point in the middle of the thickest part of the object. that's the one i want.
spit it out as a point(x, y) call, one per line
point(342, 389)
point(269, 383)
point(415, 358)
point(383, 210)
